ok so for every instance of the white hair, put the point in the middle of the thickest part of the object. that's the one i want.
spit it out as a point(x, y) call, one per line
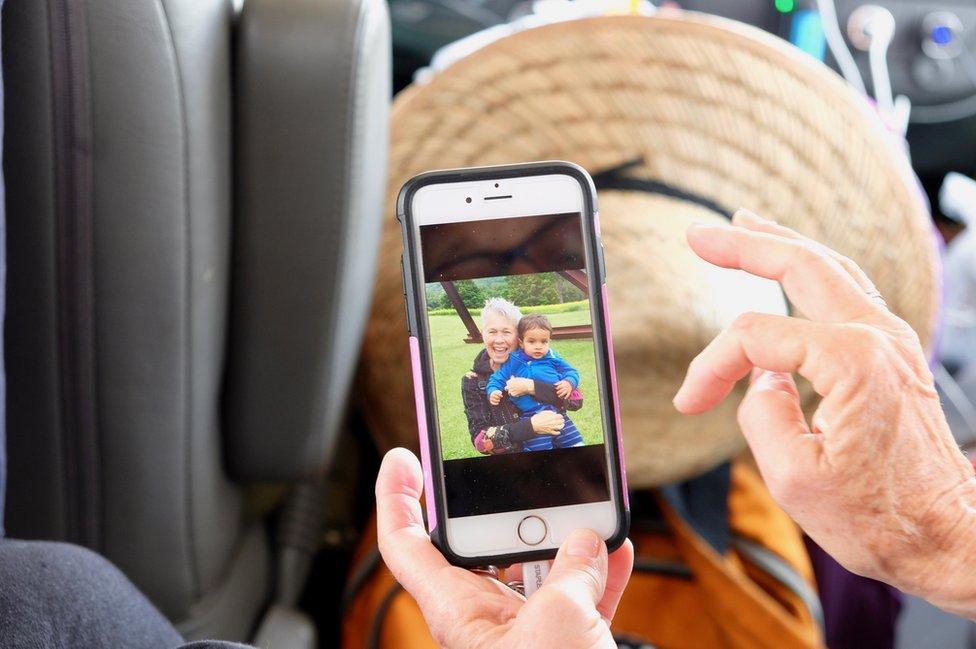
point(500, 306)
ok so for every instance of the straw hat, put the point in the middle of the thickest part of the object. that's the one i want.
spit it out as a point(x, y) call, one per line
point(720, 114)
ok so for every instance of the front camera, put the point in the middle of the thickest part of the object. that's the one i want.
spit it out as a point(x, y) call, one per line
point(467, 200)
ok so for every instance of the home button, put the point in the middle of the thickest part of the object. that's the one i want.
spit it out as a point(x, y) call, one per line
point(532, 530)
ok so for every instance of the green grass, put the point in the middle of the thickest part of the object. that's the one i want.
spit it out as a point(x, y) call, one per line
point(565, 307)
point(453, 357)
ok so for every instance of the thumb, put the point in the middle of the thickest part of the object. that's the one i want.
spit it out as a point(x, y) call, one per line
point(579, 571)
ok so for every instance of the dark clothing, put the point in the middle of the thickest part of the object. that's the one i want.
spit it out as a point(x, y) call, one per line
point(61, 595)
point(858, 611)
point(501, 423)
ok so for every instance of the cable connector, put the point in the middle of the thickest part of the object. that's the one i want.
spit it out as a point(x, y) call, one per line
point(870, 26)
point(533, 574)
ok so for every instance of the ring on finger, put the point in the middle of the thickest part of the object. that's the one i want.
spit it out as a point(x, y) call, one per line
point(487, 571)
point(875, 296)
point(492, 572)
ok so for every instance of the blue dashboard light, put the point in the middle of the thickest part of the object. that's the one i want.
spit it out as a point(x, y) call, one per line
point(942, 35)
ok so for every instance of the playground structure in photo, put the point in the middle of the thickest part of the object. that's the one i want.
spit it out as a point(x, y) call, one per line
point(576, 277)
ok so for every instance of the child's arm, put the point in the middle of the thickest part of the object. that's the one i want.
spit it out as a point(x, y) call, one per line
point(565, 371)
point(568, 376)
point(496, 382)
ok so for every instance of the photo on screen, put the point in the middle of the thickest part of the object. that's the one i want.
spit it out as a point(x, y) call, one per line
point(539, 325)
point(512, 348)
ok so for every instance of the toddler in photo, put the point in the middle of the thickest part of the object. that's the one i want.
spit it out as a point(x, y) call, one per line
point(535, 360)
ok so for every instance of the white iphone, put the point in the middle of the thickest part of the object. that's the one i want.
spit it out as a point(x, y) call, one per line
point(513, 368)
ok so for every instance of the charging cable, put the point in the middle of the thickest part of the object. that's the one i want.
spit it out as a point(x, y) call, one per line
point(957, 198)
point(871, 28)
point(533, 574)
point(838, 48)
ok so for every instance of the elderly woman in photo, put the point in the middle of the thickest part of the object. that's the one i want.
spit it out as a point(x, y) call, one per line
point(498, 429)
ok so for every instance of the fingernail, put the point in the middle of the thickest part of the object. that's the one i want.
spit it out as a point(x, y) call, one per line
point(583, 543)
point(705, 227)
point(743, 215)
point(698, 232)
point(678, 397)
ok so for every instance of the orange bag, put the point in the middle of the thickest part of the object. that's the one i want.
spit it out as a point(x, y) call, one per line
point(682, 593)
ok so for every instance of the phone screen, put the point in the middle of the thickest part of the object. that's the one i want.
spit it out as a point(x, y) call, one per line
point(519, 404)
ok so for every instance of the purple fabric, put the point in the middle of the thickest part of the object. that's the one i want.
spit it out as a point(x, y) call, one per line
point(859, 613)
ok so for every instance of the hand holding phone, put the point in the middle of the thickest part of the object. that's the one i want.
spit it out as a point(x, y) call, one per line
point(511, 478)
point(464, 609)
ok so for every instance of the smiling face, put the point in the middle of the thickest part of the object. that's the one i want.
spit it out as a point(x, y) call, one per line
point(500, 338)
point(535, 342)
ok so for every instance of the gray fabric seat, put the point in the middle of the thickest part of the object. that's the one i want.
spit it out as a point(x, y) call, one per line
point(188, 264)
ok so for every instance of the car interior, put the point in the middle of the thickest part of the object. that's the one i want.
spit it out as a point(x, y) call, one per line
point(196, 204)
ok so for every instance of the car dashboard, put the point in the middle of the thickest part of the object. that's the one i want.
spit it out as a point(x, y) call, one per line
point(931, 61)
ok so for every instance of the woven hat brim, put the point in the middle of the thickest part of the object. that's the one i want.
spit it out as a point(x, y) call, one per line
point(713, 107)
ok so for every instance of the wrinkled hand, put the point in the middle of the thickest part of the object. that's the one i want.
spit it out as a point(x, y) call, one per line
point(495, 397)
point(517, 386)
point(571, 609)
point(876, 478)
point(547, 422)
point(563, 389)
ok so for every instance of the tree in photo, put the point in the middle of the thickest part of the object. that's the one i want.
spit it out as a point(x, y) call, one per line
point(566, 290)
point(471, 294)
point(531, 290)
point(436, 298)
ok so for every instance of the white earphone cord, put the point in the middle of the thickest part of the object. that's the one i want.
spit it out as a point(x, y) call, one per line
point(838, 48)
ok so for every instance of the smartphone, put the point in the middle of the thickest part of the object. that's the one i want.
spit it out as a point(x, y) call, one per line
point(506, 301)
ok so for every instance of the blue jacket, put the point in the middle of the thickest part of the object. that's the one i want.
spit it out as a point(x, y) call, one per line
point(548, 369)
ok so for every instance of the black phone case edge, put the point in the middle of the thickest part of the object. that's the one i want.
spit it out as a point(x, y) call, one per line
point(416, 326)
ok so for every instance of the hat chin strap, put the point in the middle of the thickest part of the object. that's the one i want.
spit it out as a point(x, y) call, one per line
point(617, 178)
